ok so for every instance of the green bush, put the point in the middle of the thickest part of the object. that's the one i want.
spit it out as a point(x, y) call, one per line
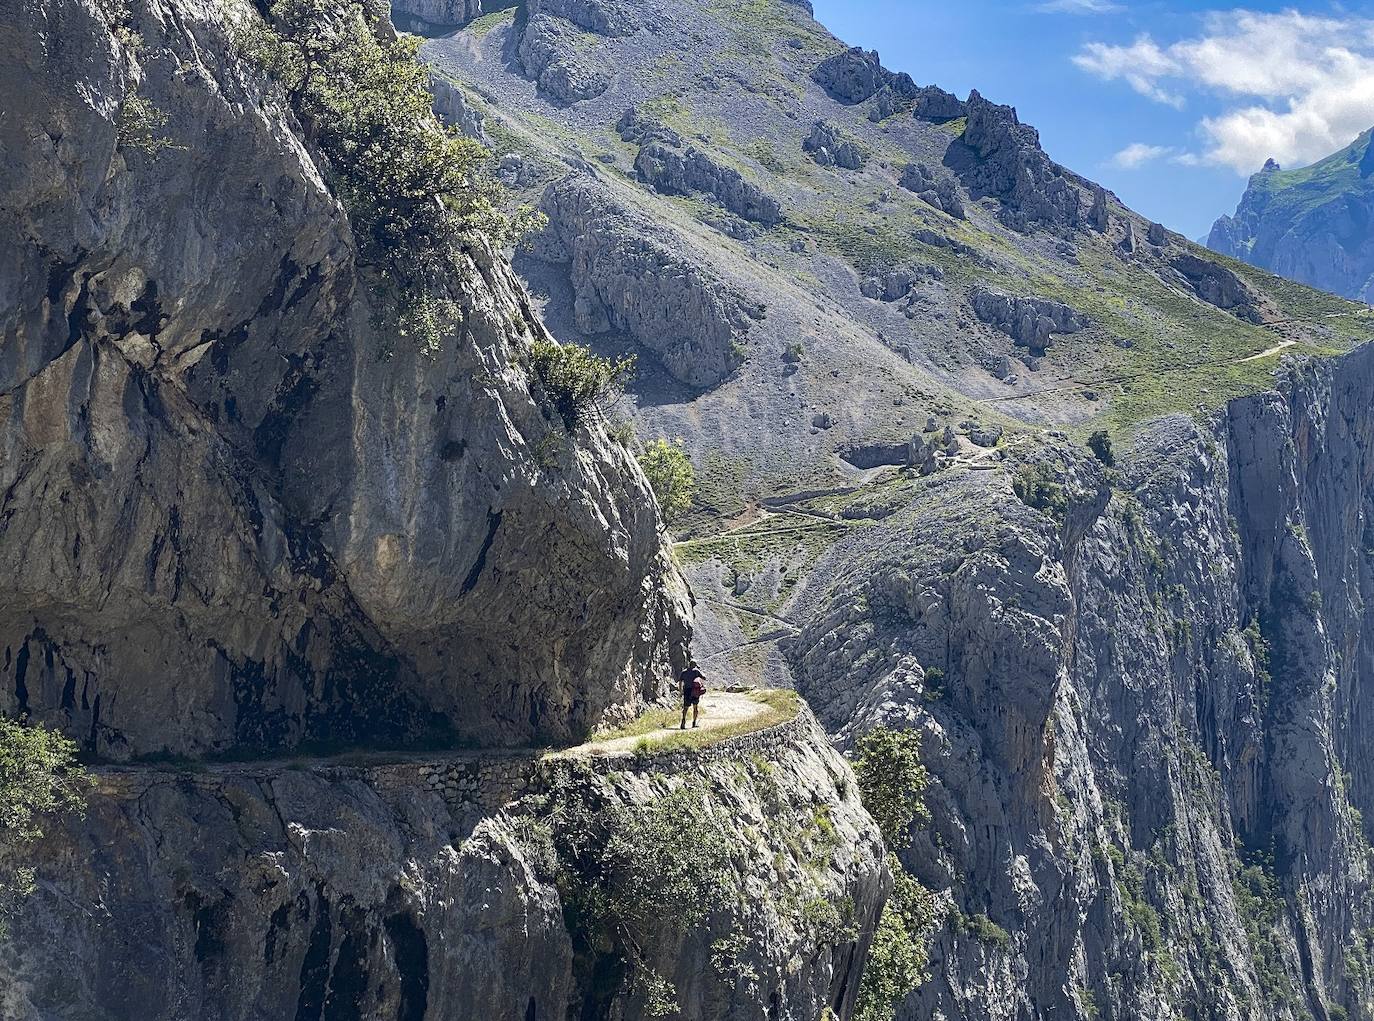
point(1038, 487)
point(1100, 443)
point(624, 870)
point(417, 192)
point(39, 778)
point(892, 782)
point(669, 471)
point(985, 930)
point(577, 381)
point(138, 127)
point(900, 949)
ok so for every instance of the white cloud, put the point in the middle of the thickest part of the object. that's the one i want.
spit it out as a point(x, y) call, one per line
point(1138, 154)
point(1296, 86)
point(1142, 65)
point(1078, 7)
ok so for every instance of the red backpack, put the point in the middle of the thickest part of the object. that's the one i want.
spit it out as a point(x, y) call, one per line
point(697, 687)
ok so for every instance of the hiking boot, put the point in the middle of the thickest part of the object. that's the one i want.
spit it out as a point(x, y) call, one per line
point(694, 724)
point(684, 725)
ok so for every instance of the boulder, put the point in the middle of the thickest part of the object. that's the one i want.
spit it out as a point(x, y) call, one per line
point(452, 107)
point(940, 192)
point(673, 168)
point(447, 13)
point(551, 55)
point(1217, 285)
point(603, 17)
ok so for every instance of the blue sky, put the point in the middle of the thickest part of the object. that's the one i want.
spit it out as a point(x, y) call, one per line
point(1169, 104)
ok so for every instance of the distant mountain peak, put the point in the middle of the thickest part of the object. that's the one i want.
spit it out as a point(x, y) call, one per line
point(1313, 224)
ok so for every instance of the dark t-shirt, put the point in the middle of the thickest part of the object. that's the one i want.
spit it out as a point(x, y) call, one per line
point(686, 678)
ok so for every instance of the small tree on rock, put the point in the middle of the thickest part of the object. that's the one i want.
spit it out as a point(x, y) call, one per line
point(39, 778)
point(669, 471)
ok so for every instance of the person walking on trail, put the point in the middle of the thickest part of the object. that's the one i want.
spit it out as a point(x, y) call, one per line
point(693, 683)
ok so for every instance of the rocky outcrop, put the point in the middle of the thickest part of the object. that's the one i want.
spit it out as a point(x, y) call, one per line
point(935, 104)
point(853, 75)
point(443, 890)
point(1311, 224)
point(1004, 160)
point(453, 108)
point(264, 520)
point(553, 57)
point(627, 276)
point(830, 147)
point(856, 75)
point(940, 192)
point(1134, 707)
point(445, 13)
point(604, 17)
point(1029, 322)
point(1217, 285)
point(669, 165)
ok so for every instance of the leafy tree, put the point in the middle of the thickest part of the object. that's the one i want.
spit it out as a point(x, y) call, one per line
point(892, 782)
point(622, 870)
point(38, 779)
point(417, 192)
point(577, 381)
point(900, 949)
point(669, 471)
point(1100, 443)
point(138, 126)
point(1038, 487)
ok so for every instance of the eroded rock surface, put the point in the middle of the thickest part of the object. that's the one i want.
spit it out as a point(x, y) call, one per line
point(263, 520)
point(626, 276)
point(1011, 166)
point(1028, 321)
point(1132, 701)
point(420, 891)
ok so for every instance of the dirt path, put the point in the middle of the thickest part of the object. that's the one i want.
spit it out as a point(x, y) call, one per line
point(1270, 351)
point(719, 709)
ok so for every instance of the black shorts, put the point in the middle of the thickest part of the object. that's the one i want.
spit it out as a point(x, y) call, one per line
point(690, 700)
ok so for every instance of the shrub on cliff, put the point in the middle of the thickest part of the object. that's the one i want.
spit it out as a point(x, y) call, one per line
point(577, 381)
point(39, 778)
point(669, 471)
point(892, 784)
point(416, 191)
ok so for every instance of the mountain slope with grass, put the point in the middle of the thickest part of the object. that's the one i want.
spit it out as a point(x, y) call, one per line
point(1311, 224)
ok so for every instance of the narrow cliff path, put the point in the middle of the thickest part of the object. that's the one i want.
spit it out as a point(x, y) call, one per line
point(724, 714)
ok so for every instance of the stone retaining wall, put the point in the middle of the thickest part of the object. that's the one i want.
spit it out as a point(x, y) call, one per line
point(486, 780)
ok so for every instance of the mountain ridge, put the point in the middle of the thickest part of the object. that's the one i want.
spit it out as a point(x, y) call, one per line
point(1311, 224)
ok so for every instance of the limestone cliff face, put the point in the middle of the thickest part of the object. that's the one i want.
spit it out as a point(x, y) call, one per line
point(235, 512)
point(428, 890)
point(1145, 709)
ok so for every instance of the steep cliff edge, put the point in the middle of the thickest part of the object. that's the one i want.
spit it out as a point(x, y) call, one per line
point(1144, 698)
point(1312, 224)
point(237, 511)
point(462, 887)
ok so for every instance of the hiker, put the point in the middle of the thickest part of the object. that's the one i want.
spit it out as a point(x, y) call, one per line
point(693, 687)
